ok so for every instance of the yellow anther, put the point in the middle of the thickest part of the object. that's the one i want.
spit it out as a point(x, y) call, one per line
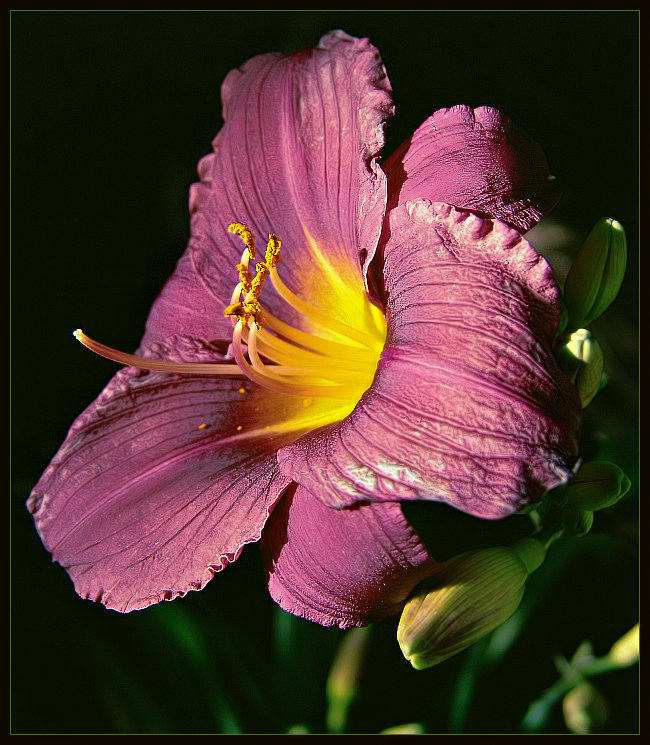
point(245, 278)
point(249, 310)
point(272, 256)
point(258, 280)
point(244, 232)
point(253, 309)
point(250, 287)
point(235, 310)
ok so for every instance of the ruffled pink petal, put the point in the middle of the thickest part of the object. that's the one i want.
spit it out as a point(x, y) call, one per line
point(468, 406)
point(296, 157)
point(476, 159)
point(341, 567)
point(159, 484)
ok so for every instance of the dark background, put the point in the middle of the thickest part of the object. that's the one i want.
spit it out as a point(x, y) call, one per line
point(111, 111)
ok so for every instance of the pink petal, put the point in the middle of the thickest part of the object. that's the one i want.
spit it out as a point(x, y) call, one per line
point(341, 567)
point(296, 157)
point(159, 484)
point(475, 159)
point(468, 406)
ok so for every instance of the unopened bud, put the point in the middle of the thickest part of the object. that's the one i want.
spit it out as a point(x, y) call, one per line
point(584, 709)
point(597, 273)
point(597, 485)
point(466, 598)
point(581, 358)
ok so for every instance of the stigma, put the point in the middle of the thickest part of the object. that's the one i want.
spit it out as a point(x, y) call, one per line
point(324, 358)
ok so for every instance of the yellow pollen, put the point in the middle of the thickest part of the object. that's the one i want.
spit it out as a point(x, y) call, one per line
point(258, 280)
point(239, 428)
point(245, 278)
point(241, 390)
point(272, 256)
point(244, 232)
point(202, 426)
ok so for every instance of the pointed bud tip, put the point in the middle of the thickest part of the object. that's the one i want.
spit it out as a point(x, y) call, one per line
point(582, 360)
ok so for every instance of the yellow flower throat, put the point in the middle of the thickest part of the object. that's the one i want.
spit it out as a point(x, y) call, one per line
point(325, 358)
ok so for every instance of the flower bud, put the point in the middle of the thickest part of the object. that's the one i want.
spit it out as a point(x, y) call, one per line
point(584, 709)
point(581, 358)
point(625, 651)
point(597, 485)
point(466, 598)
point(597, 273)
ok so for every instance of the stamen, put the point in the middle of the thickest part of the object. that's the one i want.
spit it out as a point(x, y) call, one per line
point(258, 281)
point(272, 256)
point(282, 386)
point(316, 315)
point(324, 375)
point(317, 343)
point(284, 353)
point(244, 232)
point(338, 363)
point(245, 278)
point(306, 364)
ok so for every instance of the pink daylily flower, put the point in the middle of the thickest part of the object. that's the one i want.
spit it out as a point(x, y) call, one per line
point(399, 349)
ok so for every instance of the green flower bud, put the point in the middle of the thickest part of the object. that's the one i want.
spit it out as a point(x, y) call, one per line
point(466, 598)
point(581, 358)
point(584, 709)
point(597, 273)
point(597, 485)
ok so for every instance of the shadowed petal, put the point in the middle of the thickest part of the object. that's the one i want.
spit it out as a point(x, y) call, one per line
point(159, 484)
point(296, 157)
point(468, 406)
point(475, 159)
point(341, 567)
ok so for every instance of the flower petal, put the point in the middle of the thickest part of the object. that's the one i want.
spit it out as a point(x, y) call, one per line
point(159, 485)
point(475, 159)
point(468, 406)
point(296, 157)
point(341, 567)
